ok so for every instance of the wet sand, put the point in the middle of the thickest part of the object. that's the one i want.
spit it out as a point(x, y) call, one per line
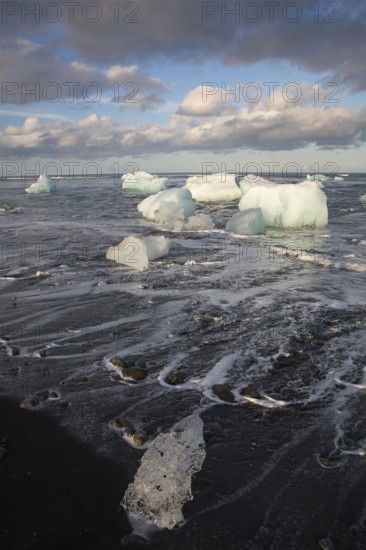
point(57, 492)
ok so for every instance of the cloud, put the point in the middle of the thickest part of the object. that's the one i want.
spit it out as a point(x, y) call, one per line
point(317, 36)
point(272, 129)
point(30, 73)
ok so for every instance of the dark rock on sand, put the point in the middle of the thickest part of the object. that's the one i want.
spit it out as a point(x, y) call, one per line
point(118, 362)
point(134, 373)
point(250, 391)
point(326, 544)
point(29, 403)
point(174, 379)
point(223, 392)
point(12, 351)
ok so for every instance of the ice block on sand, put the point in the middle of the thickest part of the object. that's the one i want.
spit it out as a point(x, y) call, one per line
point(137, 253)
point(162, 483)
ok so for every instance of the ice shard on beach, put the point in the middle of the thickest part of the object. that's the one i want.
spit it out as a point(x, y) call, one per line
point(42, 185)
point(137, 253)
point(143, 182)
point(213, 188)
point(287, 205)
point(162, 483)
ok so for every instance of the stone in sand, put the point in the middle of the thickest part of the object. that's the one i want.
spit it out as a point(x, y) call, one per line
point(134, 373)
point(326, 544)
point(175, 379)
point(29, 403)
point(12, 351)
point(223, 392)
point(123, 425)
point(250, 391)
point(118, 362)
point(139, 438)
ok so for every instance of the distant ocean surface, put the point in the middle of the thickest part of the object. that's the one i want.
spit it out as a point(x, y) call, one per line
point(284, 313)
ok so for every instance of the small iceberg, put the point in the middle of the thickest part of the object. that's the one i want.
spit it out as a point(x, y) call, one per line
point(287, 205)
point(317, 177)
point(143, 182)
point(175, 210)
point(42, 185)
point(213, 188)
point(169, 205)
point(363, 198)
point(136, 253)
point(247, 222)
point(338, 178)
point(162, 483)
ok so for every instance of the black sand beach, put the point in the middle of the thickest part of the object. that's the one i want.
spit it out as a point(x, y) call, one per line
point(57, 492)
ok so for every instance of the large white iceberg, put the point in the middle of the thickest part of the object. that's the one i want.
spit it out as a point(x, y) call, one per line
point(317, 177)
point(287, 205)
point(136, 253)
point(42, 185)
point(143, 182)
point(247, 222)
point(213, 188)
point(162, 483)
point(167, 205)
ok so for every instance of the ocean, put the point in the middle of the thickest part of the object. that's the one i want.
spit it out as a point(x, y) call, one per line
point(282, 313)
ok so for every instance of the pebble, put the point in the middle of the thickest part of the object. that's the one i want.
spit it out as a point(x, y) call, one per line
point(175, 379)
point(139, 438)
point(118, 362)
point(12, 351)
point(223, 392)
point(134, 373)
point(326, 544)
point(29, 403)
point(250, 391)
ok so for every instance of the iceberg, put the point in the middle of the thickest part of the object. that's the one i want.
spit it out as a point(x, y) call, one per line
point(143, 182)
point(251, 180)
point(338, 178)
point(247, 222)
point(287, 205)
point(213, 188)
point(42, 185)
point(317, 177)
point(162, 483)
point(363, 198)
point(136, 253)
point(168, 206)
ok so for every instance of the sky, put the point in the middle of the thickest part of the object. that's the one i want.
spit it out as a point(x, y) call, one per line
point(182, 85)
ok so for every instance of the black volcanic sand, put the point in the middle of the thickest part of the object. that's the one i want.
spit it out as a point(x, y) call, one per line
point(55, 491)
point(260, 487)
